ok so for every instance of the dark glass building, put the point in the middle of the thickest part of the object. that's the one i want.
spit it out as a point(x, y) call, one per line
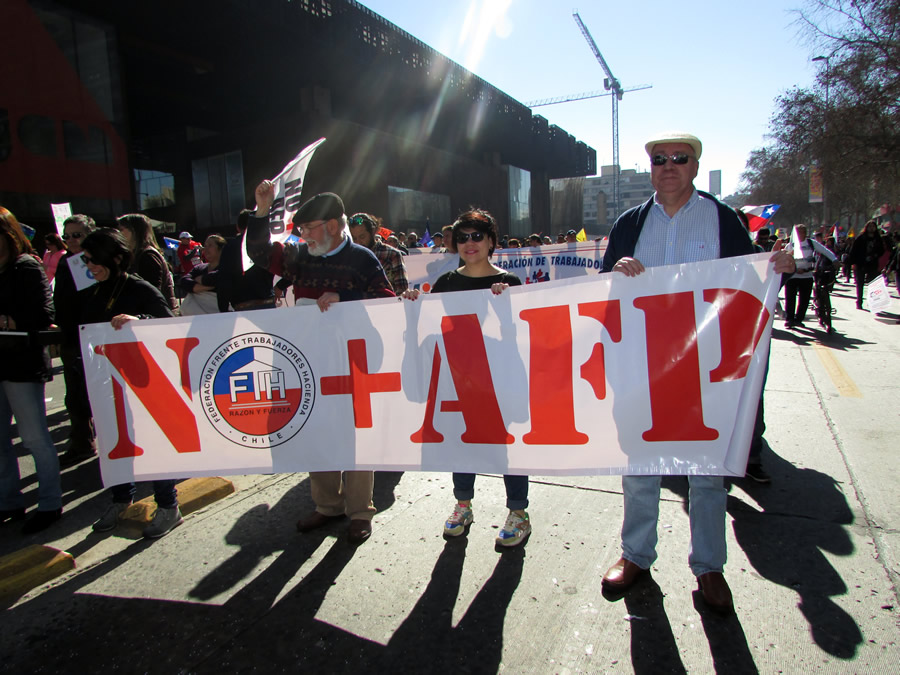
point(178, 109)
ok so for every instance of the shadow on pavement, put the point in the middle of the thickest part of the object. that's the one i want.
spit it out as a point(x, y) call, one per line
point(727, 642)
point(653, 646)
point(259, 533)
point(804, 512)
point(264, 621)
point(804, 336)
point(288, 636)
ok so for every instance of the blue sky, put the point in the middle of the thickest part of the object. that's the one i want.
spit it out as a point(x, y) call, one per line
point(715, 66)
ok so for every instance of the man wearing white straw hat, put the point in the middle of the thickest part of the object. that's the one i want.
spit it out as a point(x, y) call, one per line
point(678, 224)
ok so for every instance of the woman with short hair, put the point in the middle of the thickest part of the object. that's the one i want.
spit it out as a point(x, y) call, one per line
point(119, 297)
point(474, 237)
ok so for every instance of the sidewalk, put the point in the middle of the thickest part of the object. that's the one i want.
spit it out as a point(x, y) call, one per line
point(814, 561)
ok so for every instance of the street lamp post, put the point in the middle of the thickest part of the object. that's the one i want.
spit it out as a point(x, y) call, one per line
point(827, 60)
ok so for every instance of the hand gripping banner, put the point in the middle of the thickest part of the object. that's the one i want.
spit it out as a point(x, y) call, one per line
point(602, 374)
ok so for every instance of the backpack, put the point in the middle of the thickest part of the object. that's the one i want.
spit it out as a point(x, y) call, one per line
point(824, 272)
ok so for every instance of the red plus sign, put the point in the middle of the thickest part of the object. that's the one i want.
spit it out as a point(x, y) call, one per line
point(360, 384)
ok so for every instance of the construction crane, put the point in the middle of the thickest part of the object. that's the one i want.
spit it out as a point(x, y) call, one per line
point(614, 88)
point(580, 97)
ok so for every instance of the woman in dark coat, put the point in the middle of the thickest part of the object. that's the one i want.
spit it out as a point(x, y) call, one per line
point(26, 306)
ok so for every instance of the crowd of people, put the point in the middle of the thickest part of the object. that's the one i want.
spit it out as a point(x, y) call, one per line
point(823, 259)
point(344, 259)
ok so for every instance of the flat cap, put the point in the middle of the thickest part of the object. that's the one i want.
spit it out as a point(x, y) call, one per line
point(324, 206)
point(675, 137)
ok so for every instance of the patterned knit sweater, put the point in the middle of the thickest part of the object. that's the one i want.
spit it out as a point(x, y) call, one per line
point(354, 273)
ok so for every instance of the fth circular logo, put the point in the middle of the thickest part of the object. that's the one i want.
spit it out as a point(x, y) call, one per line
point(257, 390)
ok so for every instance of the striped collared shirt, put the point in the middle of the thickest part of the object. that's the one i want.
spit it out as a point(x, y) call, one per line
point(691, 235)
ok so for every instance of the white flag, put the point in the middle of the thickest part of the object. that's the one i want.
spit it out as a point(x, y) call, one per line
point(288, 186)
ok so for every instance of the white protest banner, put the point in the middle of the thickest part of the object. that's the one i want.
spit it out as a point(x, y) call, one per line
point(878, 299)
point(656, 374)
point(60, 213)
point(531, 264)
point(80, 272)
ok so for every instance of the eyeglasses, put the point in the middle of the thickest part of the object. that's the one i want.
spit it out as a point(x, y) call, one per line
point(463, 237)
point(310, 228)
point(677, 158)
point(74, 235)
point(88, 260)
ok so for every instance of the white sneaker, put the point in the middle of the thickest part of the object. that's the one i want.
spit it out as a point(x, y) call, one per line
point(458, 521)
point(110, 517)
point(164, 520)
point(516, 529)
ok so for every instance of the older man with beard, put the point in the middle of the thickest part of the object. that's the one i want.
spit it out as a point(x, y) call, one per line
point(328, 268)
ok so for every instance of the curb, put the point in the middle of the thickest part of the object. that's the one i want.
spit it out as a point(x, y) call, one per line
point(193, 495)
point(29, 568)
point(34, 565)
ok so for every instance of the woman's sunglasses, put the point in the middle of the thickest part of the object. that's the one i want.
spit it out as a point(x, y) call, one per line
point(88, 260)
point(463, 237)
point(74, 235)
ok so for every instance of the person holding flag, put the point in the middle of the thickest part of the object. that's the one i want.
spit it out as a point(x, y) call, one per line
point(325, 269)
point(824, 276)
point(864, 255)
point(801, 283)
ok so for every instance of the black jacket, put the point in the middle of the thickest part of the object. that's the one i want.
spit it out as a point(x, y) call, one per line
point(25, 297)
point(122, 295)
point(67, 302)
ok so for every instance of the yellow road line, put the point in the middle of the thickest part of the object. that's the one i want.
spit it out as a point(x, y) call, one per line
point(842, 381)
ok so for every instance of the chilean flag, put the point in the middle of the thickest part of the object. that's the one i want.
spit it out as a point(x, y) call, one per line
point(759, 216)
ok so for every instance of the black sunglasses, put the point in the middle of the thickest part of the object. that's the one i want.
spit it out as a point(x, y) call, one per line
point(74, 235)
point(463, 237)
point(88, 260)
point(677, 158)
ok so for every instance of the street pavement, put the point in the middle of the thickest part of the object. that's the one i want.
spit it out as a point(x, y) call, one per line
point(814, 560)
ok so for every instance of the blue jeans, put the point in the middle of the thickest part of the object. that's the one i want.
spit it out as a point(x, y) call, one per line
point(706, 511)
point(25, 400)
point(163, 492)
point(516, 489)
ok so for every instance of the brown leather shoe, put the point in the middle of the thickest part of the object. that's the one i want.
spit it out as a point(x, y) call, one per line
point(621, 576)
point(314, 521)
point(359, 531)
point(716, 593)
